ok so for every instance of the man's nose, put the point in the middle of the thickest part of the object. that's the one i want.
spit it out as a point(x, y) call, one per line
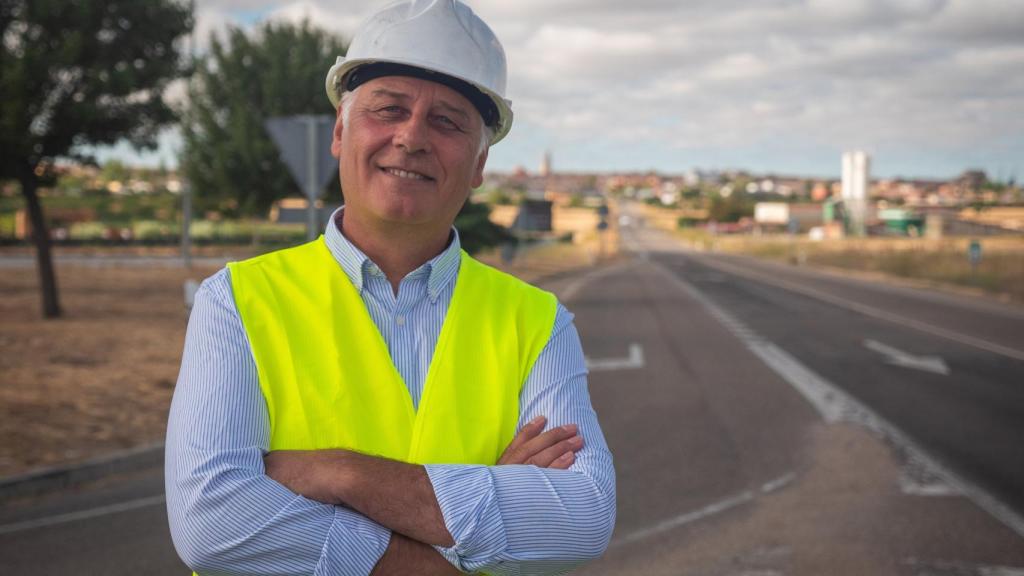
point(412, 135)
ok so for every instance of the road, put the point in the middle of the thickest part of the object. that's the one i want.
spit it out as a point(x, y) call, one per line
point(764, 420)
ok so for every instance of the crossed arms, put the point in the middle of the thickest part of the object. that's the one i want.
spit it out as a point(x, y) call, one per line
point(233, 512)
point(400, 497)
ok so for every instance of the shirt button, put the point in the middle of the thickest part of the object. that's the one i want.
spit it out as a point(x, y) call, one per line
point(400, 320)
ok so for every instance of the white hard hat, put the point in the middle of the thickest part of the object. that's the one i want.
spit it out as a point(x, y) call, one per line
point(441, 40)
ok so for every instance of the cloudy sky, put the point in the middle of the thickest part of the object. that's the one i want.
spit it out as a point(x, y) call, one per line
point(928, 87)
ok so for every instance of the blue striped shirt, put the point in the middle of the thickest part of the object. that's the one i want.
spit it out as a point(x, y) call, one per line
point(228, 517)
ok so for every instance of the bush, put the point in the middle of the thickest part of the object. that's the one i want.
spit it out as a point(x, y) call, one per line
point(87, 231)
point(150, 230)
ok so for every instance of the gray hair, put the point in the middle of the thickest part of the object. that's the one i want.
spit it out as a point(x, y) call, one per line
point(348, 96)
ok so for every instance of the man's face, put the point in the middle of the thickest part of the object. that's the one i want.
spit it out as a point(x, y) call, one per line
point(409, 153)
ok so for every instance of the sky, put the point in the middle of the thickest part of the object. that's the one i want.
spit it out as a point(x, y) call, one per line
point(929, 88)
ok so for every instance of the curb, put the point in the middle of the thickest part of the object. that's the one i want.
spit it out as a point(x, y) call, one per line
point(48, 480)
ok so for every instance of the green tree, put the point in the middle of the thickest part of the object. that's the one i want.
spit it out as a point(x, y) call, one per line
point(476, 231)
point(114, 170)
point(246, 78)
point(75, 73)
point(737, 205)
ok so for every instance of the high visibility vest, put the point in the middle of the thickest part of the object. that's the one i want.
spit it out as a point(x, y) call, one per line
point(327, 375)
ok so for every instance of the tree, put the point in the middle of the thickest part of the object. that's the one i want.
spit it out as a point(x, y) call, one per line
point(76, 73)
point(476, 231)
point(245, 79)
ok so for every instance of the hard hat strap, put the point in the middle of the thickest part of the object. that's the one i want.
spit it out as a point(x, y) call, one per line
point(482, 102)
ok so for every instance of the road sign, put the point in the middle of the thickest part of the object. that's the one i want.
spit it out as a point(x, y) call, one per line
point(295, 136)
point(974, 253)
point(304, 143)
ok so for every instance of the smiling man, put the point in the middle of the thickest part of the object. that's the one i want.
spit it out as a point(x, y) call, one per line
point(377, 401)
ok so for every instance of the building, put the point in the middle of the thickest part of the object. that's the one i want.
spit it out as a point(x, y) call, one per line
point(856, 178)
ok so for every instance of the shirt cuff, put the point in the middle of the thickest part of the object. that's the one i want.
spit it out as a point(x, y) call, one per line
point(466, 496)
point(354, 545)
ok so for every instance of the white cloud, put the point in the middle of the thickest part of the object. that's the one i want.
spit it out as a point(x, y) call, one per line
point(939, 77)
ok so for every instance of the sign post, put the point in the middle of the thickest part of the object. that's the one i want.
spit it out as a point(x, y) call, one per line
point(304, 143)
point(974, 254)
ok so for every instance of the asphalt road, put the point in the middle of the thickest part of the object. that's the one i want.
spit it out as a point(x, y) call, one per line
point(764, 420)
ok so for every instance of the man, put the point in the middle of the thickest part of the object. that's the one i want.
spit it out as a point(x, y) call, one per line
point(376, 401)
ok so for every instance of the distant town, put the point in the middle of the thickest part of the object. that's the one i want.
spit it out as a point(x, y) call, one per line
point(731, 201)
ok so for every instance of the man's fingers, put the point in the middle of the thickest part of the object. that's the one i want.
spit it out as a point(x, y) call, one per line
point(564, 461)
point(548, 457)
point(514, 454)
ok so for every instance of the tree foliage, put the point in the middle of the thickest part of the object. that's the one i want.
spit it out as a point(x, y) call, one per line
point(246, 78)
point(476, 231)
point(732, 208)
point(75, 73)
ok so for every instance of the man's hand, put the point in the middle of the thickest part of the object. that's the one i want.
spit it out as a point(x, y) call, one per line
point(555, 448)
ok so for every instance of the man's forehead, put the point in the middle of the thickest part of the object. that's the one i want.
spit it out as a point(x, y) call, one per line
point(404, 87)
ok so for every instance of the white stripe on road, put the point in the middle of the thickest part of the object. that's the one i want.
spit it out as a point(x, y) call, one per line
point(871, 311)
point(835, 405)
point(81, 515)
point(897, 357)
point(702, 513)
point(633, 361)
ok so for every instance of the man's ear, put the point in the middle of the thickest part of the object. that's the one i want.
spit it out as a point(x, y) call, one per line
point(336, 140)
point(478, 176)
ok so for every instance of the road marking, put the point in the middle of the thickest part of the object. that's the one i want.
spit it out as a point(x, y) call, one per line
point(897, 357)
point(633, 361)
point(82, 514)
point(835, 405)
point(941, 568)
point(873, 312)
point(577, 284)
point(778, 483)
point(702, 513)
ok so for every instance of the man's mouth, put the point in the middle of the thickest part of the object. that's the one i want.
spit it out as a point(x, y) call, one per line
point(408, 175)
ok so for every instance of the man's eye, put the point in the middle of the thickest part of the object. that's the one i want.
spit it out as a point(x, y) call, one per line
point(391, 111)
point(447, 122)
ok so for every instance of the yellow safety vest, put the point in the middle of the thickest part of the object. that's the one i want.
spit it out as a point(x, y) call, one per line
point(329, 381)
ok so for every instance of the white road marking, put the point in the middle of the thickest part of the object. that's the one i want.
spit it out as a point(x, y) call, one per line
point(873, 312)
point(941, 568)
point(633, 361)
point(778, 483)
point(835, 405)
point(577, 284)
point(687, 518)
point(897, 357)
point(82, 514)
point(702, 513)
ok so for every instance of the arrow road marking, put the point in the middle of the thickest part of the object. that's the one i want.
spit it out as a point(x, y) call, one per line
point(635, 360)
point(898, 357)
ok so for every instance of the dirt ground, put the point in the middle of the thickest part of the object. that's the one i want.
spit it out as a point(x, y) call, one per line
point(100, 379)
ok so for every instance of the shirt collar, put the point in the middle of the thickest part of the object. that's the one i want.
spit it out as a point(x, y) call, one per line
point(440, 270)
